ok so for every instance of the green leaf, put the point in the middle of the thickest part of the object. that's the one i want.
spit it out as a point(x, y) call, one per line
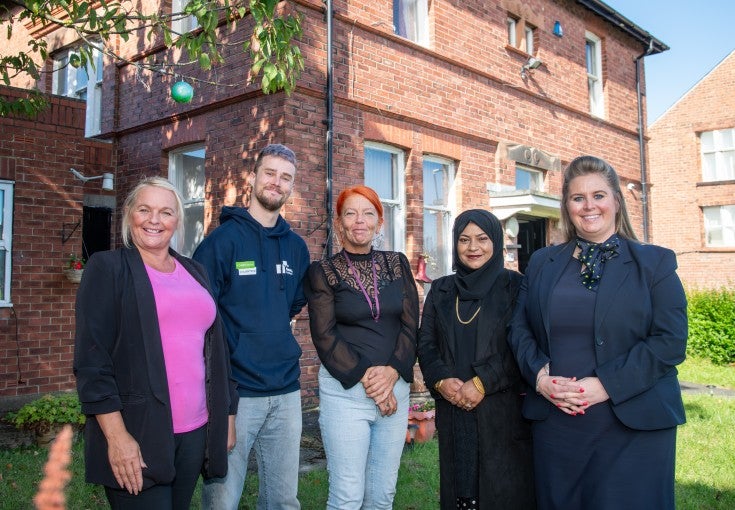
point(205, 62)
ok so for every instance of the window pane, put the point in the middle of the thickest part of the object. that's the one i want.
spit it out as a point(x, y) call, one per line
point(511, 31)
point(2, 275)
point(192, 166)
point(410, 20)
point(188, 174)
point(529, 40)
point(384, 241)
point(436, 184)
point(590, 55)
point(708, 141)
point(437, 244)
point(193, 227)
point(2, 216)
point(380, 173)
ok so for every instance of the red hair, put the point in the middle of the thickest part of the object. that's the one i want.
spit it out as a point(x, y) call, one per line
point(365, 192)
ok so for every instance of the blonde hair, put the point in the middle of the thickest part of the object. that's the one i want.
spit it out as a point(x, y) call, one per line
point(132, 198)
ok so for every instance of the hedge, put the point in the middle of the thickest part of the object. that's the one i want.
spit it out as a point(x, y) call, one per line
point(712, 325)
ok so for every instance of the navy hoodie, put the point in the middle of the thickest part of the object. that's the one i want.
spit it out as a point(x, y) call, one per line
point(256, 275)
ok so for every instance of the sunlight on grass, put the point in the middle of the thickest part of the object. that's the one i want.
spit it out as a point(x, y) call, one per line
point(705, 478)
point(705, 455)
point(702, 371)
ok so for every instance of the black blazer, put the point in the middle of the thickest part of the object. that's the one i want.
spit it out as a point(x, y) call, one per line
point(640, 332)
point(119, 366)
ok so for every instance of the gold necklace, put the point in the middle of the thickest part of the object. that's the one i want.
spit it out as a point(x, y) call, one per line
point(456, 309)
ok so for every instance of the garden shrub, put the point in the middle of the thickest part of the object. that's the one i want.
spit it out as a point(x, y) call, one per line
point(712, 325)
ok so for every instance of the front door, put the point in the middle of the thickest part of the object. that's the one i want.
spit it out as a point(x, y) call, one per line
point(531, 237)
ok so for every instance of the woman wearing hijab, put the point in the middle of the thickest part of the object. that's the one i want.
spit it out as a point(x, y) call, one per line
point(599, 329)
point(484, 443)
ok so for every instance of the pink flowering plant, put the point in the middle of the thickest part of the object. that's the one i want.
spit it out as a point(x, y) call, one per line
point(427, 405)
point(75, 262)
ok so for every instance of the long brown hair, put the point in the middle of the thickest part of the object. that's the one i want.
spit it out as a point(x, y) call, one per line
point(586, 165)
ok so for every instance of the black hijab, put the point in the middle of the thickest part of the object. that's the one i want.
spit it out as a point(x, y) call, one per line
point(476, 283)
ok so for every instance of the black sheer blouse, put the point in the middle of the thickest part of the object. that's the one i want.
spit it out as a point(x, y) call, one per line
point(347, 337)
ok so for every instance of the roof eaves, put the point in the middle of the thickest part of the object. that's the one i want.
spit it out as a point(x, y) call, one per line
point(652, 44)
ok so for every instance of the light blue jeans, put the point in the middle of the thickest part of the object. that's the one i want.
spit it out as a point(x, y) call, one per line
point(363, 448)
point(272, 425)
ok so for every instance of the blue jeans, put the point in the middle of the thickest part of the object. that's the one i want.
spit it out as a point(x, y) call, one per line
point(363, 448)
point(272, 425)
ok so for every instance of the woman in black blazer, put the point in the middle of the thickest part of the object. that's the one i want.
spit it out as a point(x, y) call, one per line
point(151, 363)
point(485, 457)
point(600, 326)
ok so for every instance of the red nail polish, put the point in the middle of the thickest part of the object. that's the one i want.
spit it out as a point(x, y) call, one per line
point(574, 414)
point(581, 390)
point(581, 412)
point(551, 396)
point(553, 381)
point(558, 405)
point(585, 403)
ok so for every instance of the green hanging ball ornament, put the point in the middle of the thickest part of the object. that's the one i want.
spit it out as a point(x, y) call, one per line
point(182, 92)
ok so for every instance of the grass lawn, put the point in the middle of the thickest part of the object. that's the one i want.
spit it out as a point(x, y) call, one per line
point(705, 477)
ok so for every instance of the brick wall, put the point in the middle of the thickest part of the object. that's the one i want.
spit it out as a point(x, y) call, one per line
point(678, 193)
point(37, 333)
point(463, 98)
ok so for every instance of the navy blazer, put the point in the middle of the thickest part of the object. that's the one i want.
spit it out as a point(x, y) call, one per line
point(640, 332)
point(119, 366)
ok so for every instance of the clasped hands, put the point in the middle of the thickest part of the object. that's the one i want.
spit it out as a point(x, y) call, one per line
point(463, 394)
point(570, 395)
point(378, 382)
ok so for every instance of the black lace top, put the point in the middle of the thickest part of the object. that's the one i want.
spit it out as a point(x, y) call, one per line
point(347, 337)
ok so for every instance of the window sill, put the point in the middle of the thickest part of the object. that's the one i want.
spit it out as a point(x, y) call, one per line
point(716, 183)
point(517, 51)
point(718, 249)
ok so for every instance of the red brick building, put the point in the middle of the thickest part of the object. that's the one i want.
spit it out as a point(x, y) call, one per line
point(692, 161)
point(441, 106)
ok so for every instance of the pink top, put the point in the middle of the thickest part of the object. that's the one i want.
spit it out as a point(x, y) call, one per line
point(185, 312)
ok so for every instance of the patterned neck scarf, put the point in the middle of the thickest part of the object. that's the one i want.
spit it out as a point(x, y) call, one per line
point(593, 256)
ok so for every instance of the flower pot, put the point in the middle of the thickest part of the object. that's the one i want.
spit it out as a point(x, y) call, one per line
point(45, 438)
point(421, 426)
point(74, 275)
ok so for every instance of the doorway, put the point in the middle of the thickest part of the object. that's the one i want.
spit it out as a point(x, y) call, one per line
point(531, 237)
point(96, 230)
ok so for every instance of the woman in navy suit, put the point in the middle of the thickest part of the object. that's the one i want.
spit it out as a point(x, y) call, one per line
point(599, 329)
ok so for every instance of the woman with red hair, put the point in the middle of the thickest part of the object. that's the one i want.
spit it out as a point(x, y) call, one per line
point(363, 312)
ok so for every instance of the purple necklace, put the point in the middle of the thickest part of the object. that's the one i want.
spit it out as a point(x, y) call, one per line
point(374, 310)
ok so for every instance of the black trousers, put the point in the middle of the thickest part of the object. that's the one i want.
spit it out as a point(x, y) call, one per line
point(176, 495)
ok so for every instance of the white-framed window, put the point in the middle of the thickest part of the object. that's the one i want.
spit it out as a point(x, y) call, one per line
point(181, 24)
point(520, 34)
point(593, 57)
point(718, 155)
point(71, 79)
point(385, 172)
point(6, 241)
point(186, 171)
point(528, 179)
point(411, 20)
point(439, 204)
point(719, 226)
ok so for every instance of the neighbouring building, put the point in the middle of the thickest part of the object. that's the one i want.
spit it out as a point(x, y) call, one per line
point(440, 106)
point(692, 162)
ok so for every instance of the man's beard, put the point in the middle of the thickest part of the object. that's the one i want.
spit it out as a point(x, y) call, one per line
point(268, 203)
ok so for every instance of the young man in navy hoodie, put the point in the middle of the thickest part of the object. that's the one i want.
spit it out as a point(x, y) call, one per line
point(255, 264)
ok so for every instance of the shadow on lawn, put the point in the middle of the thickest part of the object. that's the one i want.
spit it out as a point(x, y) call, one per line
point(697, 496)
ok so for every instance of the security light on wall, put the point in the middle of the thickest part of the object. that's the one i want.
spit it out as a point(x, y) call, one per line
point(531, 63)
point(107, 179)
